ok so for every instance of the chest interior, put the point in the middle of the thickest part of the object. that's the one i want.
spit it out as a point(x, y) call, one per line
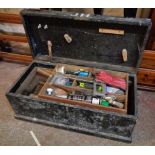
point(75, 85)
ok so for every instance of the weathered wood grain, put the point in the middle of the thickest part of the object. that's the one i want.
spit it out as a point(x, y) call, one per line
point(10, 18)
point(146, 77)
point(13, 38)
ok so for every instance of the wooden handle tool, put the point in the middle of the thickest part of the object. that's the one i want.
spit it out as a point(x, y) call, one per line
point(125, 55)
point(43, 72)
point(49, 44)
point(67, 38)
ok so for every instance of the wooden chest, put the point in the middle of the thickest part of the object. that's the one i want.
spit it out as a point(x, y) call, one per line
point(70, 51)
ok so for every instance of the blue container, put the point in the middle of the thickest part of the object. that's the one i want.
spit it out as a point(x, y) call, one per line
point(84, 74)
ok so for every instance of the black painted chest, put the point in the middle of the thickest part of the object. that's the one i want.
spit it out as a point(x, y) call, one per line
point(67, 85)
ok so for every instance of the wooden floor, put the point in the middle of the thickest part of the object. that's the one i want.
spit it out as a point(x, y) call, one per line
point(17, 132)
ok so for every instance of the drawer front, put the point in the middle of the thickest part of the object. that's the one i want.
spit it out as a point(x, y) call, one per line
point(148, 60)
point(146, 77)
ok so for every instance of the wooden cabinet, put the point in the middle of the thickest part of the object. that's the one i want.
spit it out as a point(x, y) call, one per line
point(146, 73)
point(151, 42)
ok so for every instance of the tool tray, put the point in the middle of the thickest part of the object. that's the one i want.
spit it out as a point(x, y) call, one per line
point(93, 43)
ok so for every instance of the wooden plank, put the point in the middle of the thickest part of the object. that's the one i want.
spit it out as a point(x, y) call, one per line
point(145, 87)
point(111, 31)
point(13, 38)
point(148, 60)
point(10, 18)
point(11, 57)
point(146, 74)
point(146, 77)
point(153, 45)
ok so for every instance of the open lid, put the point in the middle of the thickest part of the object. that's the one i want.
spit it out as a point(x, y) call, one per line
point(85, 39)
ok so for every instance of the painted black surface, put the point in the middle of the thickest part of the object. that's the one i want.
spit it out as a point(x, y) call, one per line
point(87, 43)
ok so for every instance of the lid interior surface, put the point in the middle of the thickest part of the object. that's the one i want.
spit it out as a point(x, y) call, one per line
point(87, 44)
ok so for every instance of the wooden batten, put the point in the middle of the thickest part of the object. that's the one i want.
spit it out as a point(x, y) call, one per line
point(11, 57)
point(10, 18)
point(13, 38)
point(111, 31)
point(13, 19)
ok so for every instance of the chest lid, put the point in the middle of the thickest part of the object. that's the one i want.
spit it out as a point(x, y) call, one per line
point(83, 39)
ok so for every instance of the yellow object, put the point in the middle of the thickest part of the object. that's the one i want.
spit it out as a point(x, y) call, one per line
point(82, 84)
point(81, 70)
